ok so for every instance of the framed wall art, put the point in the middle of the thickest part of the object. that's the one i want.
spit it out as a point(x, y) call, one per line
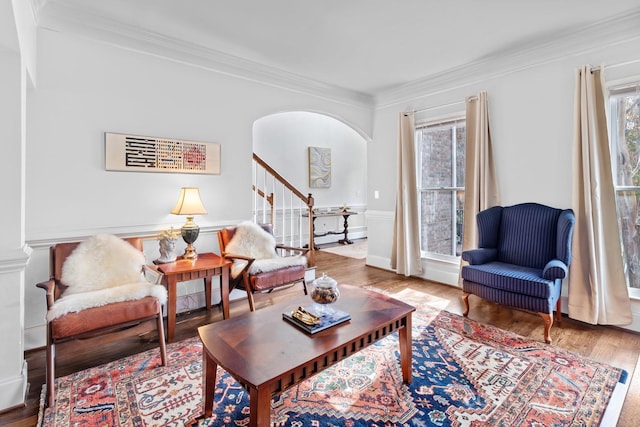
point(319, 167)
point(134, 153)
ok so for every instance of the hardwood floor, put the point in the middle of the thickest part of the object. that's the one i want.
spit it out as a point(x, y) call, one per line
point(611, 345)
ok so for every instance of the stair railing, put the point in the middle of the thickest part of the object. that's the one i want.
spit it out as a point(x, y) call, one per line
point(279, 203)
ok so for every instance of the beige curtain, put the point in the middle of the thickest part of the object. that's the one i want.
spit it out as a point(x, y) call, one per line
point(405, 247)
point(597, 284)
point(481, 186)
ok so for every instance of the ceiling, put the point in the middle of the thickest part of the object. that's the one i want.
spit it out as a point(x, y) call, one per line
point(365, 46)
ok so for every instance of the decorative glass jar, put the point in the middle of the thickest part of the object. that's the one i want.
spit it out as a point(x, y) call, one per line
point(324, 291)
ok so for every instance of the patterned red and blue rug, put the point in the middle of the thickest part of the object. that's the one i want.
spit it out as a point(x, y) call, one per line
point(464, 374)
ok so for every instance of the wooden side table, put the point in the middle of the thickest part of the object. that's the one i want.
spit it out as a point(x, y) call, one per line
point(204, 267)
point(345, 225)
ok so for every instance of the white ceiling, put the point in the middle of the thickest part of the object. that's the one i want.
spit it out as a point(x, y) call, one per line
point(366, 46)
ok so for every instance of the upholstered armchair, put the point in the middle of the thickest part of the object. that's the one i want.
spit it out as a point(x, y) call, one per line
point(98, 286)
point(259, 264)
point(524, 252)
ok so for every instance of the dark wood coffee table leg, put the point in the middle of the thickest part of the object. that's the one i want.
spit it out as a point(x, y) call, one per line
point(404, 342)
point(260, 407)
point(209, 368)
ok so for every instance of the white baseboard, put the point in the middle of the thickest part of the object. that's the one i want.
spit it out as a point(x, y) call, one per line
point(383, 263)
point(14, 389)
point(310, 275)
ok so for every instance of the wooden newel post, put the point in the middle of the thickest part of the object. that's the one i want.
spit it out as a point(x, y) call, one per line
point(312, 249)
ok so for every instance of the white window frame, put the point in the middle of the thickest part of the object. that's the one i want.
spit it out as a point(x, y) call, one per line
point(614, 89)
point(442, 120)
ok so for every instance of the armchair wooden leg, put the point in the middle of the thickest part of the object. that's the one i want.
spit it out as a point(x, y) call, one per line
point(465, 301)
point(304, 286)
point(163, 346)
point(250, 298)
point(51, 393)
point(559, 311)
point(548, 321)
point(247, 288)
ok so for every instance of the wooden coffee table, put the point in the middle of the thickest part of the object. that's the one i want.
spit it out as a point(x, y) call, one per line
point(268, 355)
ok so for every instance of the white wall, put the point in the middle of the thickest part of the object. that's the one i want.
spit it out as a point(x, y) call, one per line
point(86, 88)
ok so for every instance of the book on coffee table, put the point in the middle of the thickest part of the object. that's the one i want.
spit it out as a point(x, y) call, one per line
point(332, 318)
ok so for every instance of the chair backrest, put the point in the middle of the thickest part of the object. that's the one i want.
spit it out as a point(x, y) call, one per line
point(527, 234)
point(59, 252)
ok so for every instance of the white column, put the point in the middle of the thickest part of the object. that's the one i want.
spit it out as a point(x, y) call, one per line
point(13, 253)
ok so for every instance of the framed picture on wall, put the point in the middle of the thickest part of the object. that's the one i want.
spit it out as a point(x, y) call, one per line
point(135, 153)
point(319, 167)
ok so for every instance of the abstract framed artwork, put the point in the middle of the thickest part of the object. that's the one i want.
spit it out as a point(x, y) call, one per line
point(134, 153)
point(319, 167)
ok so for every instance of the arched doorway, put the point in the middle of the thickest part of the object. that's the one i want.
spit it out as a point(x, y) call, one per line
point(283, 141)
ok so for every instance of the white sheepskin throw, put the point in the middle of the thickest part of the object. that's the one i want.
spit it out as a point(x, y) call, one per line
point(81, 301)
point(253, 241)
point(271, 264)
point(102, 261)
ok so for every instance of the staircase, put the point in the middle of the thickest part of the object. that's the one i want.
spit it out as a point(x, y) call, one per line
point(279, 203)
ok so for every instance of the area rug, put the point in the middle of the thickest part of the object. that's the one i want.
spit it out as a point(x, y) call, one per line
point(357, 250)
point(464, 374)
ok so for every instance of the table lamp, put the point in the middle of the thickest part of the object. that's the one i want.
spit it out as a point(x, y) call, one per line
point(189, 204)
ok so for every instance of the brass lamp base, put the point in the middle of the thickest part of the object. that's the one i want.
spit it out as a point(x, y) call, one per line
point(190, 252)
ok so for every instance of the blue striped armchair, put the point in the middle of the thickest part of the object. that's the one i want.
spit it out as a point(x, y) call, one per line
point(523, 253)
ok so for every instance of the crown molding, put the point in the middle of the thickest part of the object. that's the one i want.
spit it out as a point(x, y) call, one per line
point(609, 32)
point(62, 17)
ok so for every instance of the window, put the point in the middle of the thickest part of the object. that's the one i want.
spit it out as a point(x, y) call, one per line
point(625, 156)
point(440, 157)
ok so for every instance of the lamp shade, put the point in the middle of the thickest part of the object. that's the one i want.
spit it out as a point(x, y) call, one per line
point(189, 202)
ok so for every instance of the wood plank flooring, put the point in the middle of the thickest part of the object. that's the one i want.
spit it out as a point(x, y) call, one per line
point(606, 344)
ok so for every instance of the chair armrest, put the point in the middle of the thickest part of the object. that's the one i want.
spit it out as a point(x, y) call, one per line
point(555, 269)
point(241, 258)
point(50, 288)
point(234, 257)
point(303, 251)
point(480, 255)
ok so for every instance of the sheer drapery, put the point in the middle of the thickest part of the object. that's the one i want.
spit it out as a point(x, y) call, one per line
point(481, 186)
point(597, 285)
point(405, 247)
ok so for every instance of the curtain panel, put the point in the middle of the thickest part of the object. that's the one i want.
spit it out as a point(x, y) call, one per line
point(597, 283)
point(481, 185)
point(405, 246)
